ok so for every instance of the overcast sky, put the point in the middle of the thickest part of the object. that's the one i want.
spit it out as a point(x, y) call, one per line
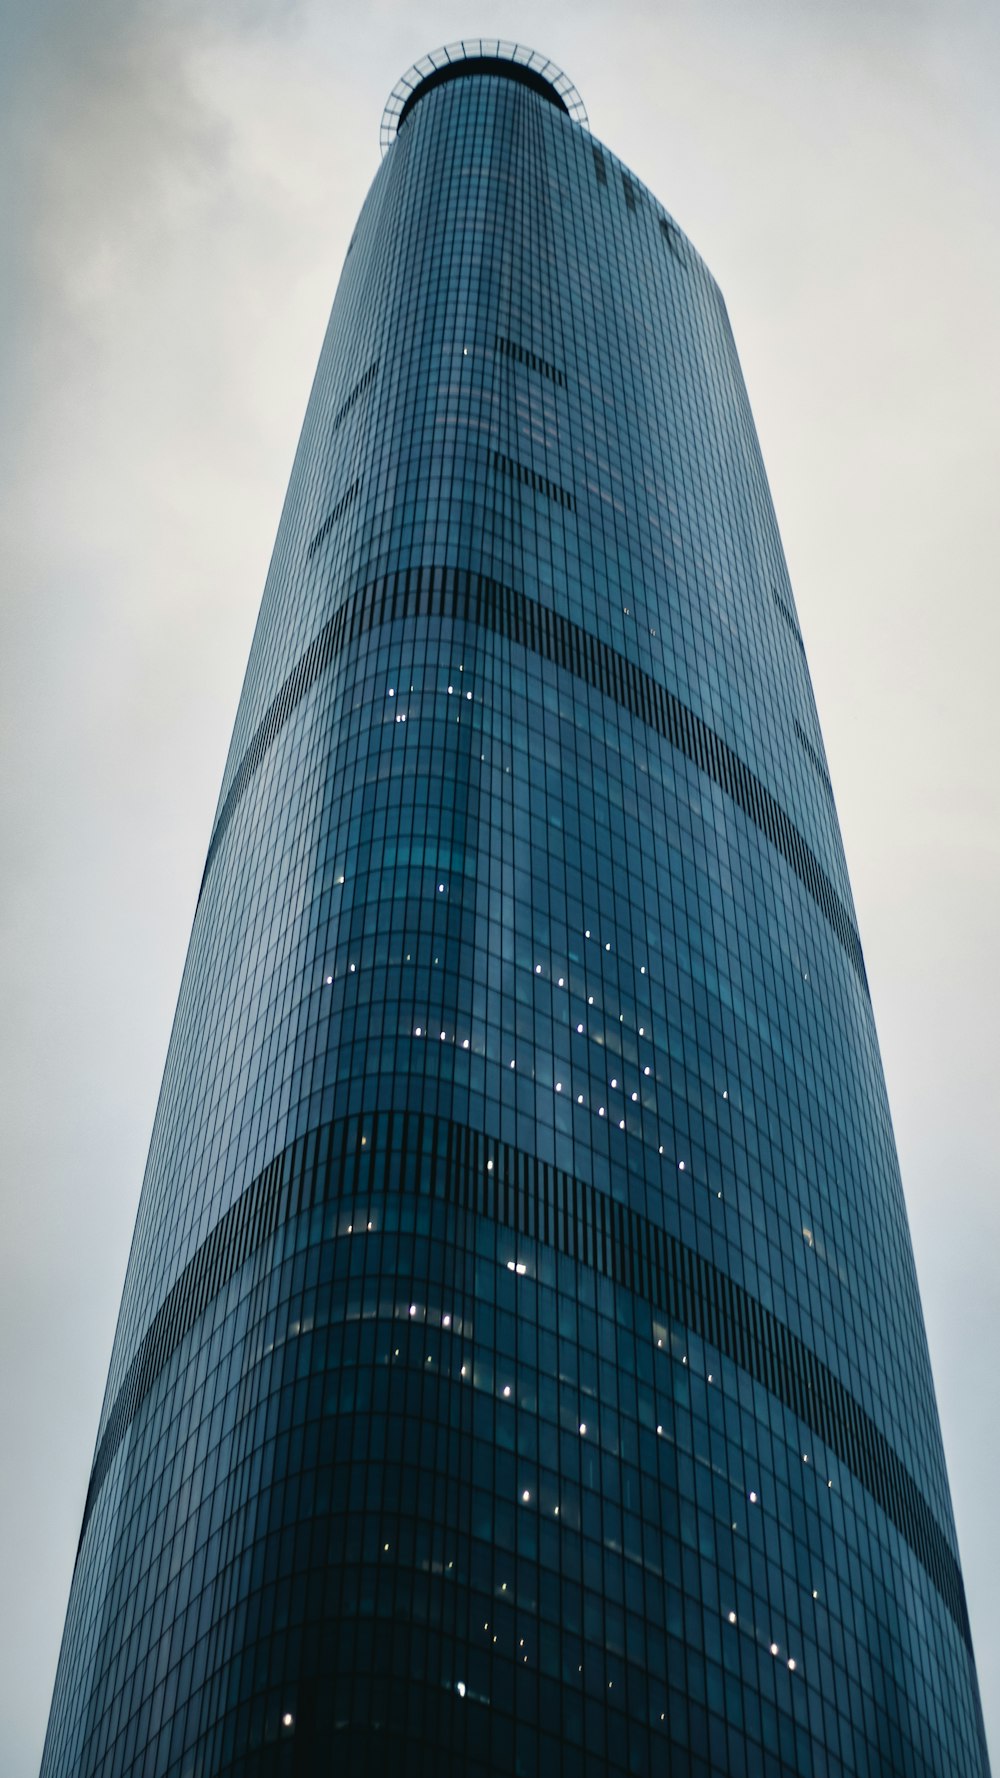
point(178, 184)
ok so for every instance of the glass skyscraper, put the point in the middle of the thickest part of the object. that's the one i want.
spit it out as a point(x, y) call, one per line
point(520, 1367)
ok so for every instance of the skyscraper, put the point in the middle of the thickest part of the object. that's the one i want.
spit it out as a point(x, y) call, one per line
point(520, 1366)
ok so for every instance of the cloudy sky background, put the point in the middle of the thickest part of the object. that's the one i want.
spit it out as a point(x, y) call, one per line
point(178, 184)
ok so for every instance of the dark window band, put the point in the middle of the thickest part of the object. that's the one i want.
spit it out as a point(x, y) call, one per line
point(521, 355)
point(510, 1187)
point(473, 598)
point(248, 1222)
point(331, 518)
point(356, 393)
point(814, 759)
point(671, 236)
point(530, 478)
point(786, 614)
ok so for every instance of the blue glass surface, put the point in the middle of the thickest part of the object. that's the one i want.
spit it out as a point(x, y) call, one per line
point(520, 1365)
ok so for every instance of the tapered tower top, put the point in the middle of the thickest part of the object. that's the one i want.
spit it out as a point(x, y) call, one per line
point(479, 55)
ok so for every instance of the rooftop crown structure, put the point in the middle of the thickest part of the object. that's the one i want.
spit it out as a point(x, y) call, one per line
point(520, 1366)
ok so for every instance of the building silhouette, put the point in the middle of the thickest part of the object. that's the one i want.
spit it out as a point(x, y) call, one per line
point(520, 1366)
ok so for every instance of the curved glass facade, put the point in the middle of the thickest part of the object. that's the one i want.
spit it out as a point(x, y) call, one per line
point(520, 1367)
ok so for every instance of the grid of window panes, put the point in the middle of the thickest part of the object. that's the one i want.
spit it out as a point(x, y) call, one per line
point(520, 1365)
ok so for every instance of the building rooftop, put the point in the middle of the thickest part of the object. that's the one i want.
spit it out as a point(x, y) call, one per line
point(479, 55)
